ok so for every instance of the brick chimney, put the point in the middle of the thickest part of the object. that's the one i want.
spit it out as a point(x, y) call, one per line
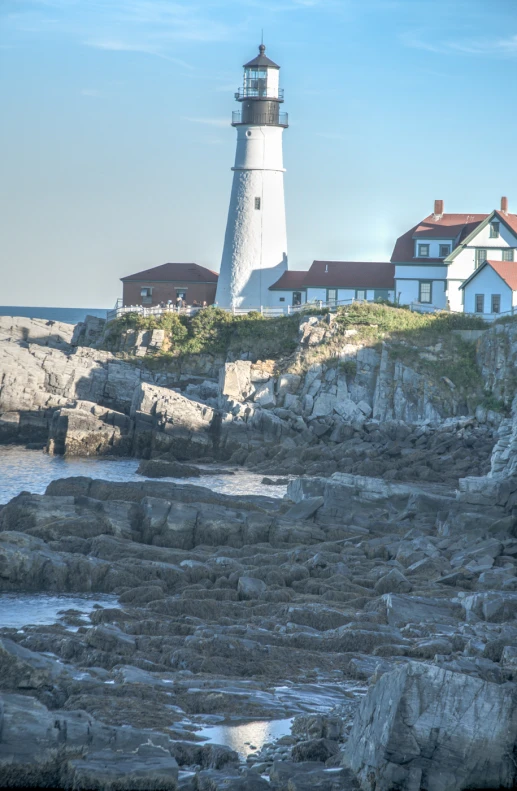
point(438, 209)
point(504, 205)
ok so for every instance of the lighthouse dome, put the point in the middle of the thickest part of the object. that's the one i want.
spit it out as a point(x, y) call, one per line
point(262, 60)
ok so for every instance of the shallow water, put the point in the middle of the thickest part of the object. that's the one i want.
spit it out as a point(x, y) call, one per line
point(247, 738)
point(33, 470)
point(24, 609)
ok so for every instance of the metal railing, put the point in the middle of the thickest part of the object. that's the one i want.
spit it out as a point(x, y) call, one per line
point(420, 307)
point(259, 93)
point(261, 119)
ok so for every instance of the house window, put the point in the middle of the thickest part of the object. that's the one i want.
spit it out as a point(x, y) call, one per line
point(445, 249)
point(494, 230)
point(508, 254)
point(480, 257)
point(281, 299)
point(425, 291)
point(297, 298)
point(257, 203)
point(496, 303)
point(381, 293)
point(480, 303)
point(423, 251)
point(147, 295)
point(360, 295)
point(331, 296)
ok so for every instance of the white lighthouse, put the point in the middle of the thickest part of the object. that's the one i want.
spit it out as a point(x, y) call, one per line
point(255, 243)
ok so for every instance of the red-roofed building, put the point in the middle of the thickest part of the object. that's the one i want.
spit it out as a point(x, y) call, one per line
point(437, 255)
point(491, 289)
point(335, 282)
point(169, 282)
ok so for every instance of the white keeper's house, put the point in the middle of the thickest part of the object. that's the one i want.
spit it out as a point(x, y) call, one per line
point(433, 259)
point(334, 283)
point(491, 290)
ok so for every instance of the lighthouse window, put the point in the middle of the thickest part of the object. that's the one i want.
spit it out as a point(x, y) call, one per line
point(257, 203)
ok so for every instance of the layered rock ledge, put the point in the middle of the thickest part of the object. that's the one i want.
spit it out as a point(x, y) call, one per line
point(380, 616)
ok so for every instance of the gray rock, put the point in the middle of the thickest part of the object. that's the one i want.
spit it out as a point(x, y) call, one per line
point(149, 769)
point(314, 750)
point(305, 508)
point(40, 748)
point(250, 588)
point(393, 582)
point(264, 395)
point(235, 380)
point(158, 468)
point(166, 421)
point(89, 430)
point(424, 727)
point(400, 609)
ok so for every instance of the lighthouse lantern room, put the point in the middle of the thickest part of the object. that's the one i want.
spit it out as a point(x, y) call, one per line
point(255, 245)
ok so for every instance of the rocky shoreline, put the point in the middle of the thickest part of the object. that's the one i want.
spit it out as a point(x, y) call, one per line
point(254, 608)
point(372, 611)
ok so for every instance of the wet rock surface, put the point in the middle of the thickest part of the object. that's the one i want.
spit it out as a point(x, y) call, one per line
point(369, 640)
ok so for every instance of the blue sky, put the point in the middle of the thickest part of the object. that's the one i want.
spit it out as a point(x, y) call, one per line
point(117, 147)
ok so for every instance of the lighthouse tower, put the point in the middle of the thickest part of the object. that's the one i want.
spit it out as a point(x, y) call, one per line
point(255, 243)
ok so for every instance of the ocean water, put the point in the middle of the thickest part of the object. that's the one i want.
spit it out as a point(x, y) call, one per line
point(32, 471)
point(67, 315)
point(21, 609)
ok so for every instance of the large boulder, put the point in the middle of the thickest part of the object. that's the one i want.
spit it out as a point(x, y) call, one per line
point(160, 468)
point(89, 430)
point(70, 749)
point(166, 421)
point(235, 380)
point(421, 727)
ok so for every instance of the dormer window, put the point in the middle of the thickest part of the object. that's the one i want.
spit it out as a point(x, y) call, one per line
point(445, 249)
point(423, 251)
point(494, 230)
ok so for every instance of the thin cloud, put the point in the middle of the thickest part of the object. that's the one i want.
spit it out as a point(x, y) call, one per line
point(152, 27)
point(483, 47)
point(113, 45)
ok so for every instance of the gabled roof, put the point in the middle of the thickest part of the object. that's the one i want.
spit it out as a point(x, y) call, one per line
point(339, 274)
point(510, 220)
point(187, 273)
point(507, 271)
point(459, 228)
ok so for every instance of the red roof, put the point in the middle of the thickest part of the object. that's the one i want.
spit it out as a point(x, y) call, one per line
point(455, 227)
point(187, 273)
point(289, 280)
point(340, 274)
point(507, 270)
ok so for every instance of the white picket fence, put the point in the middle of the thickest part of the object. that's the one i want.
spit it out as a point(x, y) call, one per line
point(156, 310)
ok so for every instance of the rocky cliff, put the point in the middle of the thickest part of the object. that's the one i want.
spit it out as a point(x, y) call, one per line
point(347, 397)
